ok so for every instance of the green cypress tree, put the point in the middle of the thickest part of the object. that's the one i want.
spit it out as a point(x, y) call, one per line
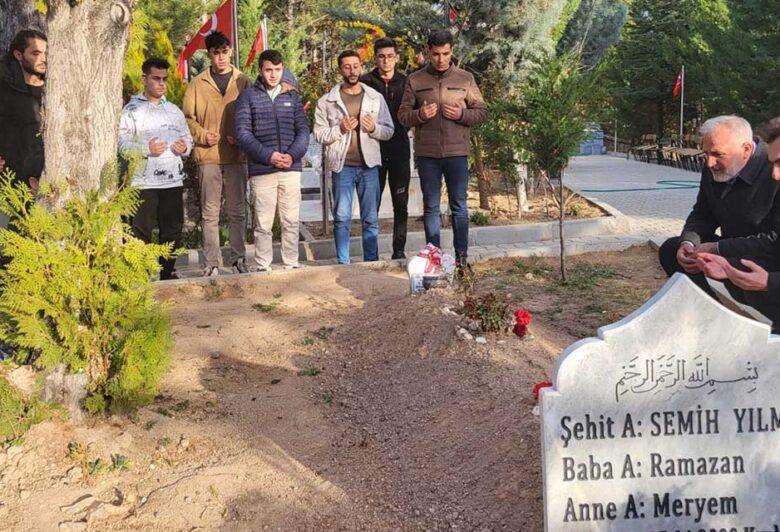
point(76, 291)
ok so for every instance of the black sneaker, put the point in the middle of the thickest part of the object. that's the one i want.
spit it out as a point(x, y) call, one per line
point(6, 351)
point(169, 276)
point(240, 266)
point(463, 268)
point(398, 255)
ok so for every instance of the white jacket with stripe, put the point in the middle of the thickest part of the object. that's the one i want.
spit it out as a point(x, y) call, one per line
point(141, 121)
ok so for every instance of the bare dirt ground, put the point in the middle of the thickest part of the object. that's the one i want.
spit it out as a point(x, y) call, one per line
point(328, 399)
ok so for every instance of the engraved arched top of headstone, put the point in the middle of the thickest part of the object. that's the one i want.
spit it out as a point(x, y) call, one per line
point(680, 335)
point(669, 420)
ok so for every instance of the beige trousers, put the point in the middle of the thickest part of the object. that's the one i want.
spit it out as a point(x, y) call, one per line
point(213, 180)
point(282, 189)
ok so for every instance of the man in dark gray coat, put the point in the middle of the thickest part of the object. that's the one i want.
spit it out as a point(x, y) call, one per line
point(737, 195)
point(752, 264)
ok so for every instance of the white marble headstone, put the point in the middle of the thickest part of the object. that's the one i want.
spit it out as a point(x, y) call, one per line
point(668, 421)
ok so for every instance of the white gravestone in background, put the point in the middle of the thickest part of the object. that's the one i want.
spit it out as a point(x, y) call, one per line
point(669, 421)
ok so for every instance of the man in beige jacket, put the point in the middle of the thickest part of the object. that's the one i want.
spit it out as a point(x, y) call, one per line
point(209, 106)
point(350, 121)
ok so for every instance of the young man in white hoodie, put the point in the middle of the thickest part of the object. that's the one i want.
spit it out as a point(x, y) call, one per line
point(154, 135)
point(349, 122)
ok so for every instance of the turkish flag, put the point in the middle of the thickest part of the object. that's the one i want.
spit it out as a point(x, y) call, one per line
point(677, 85)
point(260, 43)
point(222, 21)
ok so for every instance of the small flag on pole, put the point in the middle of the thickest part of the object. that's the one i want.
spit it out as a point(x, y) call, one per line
point(260, 43)
point(222, 20)
point(678, 84)
point(452, 15)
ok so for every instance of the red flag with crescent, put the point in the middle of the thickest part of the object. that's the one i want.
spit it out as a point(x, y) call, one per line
point(260, 43)
point(221, 20)
point(677, 84)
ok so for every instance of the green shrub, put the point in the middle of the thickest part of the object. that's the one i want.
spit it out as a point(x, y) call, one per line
point(77, 291)
point(16, 414)
point(488, 310)
point(586, 275)
point(479, 218)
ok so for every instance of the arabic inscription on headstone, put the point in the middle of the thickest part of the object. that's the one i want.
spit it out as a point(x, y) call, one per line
point(668, 422)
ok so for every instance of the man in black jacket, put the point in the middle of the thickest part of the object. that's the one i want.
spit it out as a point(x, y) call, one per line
point(395, 152)
point(22, 75)
point(736, 194)
point(759, 278)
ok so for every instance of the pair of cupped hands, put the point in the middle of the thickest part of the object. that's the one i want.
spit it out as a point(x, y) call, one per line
point(449, 111)
point(704, 259)
point(350, 123)
point(157, 147)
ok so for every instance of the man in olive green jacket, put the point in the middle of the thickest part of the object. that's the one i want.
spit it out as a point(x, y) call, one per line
point(442, 102)
point(209, 106)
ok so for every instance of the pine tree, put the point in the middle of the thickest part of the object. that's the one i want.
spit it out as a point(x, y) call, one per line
point(136, 52)
point(593, 29)
point(160, 46)
point(559, 102)
point(250, 15)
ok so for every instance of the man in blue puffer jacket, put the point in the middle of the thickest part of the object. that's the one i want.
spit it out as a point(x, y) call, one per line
point(272, 130)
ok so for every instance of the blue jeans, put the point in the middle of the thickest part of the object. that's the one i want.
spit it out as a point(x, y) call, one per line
point(456, 176)
point(366, 180)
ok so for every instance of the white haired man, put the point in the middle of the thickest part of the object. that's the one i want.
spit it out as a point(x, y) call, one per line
point(737, 195)
point(752, 264)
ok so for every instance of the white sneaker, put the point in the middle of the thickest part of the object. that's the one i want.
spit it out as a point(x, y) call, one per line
point(260, 269)
point(291, 266)
point(212, 271)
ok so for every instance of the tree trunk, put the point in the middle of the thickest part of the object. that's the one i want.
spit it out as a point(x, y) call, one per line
point(482, 182)
point(660, 118)
point(561, 217)
point(522, 198)
point(290, 13)
point(17, 15)
point(532, 181)
point(87, 42)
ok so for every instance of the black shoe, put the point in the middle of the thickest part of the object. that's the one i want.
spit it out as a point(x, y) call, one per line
point(169, 276)
point(6, 351)
point(398, 255)
point(462, 267)
point(240, 266)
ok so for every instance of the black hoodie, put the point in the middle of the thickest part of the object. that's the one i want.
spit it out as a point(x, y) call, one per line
point(21, 140)
point(393, 91)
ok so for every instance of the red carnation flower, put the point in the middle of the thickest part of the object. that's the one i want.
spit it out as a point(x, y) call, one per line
point(523, 318)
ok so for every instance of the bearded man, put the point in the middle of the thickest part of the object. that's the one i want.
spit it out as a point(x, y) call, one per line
point(22, 78)
point(737, 195)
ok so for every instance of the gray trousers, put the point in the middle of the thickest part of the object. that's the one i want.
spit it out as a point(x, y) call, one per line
point(216, 180)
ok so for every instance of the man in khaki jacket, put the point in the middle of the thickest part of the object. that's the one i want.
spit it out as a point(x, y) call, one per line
point(442, 102)
point(209, 106)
